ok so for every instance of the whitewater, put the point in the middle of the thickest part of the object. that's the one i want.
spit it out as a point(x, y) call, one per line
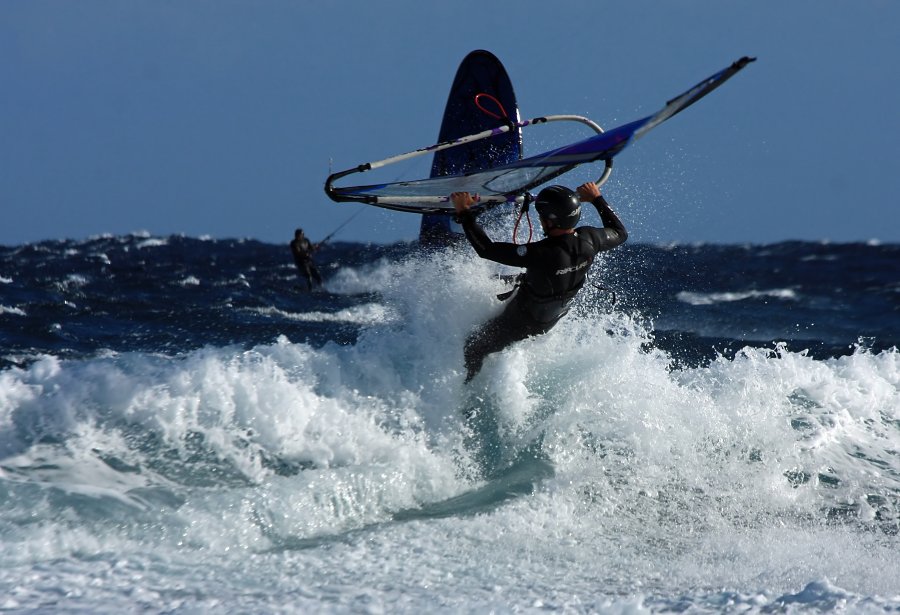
point(184, 430)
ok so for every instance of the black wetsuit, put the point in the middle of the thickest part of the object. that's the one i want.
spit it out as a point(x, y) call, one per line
point(302, 250)
point(555, 270)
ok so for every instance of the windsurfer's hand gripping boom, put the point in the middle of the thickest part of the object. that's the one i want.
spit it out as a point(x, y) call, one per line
point(462, 202)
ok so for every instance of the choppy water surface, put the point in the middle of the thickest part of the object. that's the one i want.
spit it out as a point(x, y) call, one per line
point(183, 428)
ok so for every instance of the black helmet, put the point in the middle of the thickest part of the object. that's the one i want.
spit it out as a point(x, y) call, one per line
point(559, 205)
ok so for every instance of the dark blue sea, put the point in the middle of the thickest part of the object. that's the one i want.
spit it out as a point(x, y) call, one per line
point(185, 428)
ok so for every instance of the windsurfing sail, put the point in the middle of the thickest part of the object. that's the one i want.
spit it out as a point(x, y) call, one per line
point(509, 182)
point(480, 96)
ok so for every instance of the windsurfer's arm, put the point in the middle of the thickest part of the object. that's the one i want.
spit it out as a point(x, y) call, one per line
point(613, 232)
point(499, 252)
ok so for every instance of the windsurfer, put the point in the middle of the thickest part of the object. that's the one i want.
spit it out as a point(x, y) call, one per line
point(303, 249)
point(555, 267)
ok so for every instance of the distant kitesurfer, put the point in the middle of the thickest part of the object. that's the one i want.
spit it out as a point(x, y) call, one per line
point(303, 249)
point(555, 267)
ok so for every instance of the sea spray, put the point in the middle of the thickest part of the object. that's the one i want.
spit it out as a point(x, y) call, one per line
point(313, 453)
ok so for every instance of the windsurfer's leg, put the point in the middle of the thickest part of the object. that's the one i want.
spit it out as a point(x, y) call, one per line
point(493, 336)
point(307, 275)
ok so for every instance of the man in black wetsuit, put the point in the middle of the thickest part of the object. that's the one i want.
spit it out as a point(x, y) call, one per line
point(303, 249)
point(555, 267)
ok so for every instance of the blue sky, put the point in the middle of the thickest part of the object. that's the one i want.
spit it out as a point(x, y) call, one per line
point(222, 118)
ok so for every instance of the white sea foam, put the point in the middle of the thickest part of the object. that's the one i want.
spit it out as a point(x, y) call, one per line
point(368, 278)
point(819, 257)
point(367, 314)
point(5, 309)
point(694, 298)
point(152, 242)
point(291, 478)
point(74, 280)
point(102, 257)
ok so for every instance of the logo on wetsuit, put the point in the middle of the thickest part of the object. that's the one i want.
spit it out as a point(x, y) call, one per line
point(577, 267)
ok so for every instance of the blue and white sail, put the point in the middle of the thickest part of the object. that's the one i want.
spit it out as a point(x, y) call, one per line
point(509, 182)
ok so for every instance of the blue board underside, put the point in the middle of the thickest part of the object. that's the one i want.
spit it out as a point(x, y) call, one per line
point(480, 72)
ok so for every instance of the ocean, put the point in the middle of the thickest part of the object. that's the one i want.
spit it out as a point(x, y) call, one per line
point(185, 429)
